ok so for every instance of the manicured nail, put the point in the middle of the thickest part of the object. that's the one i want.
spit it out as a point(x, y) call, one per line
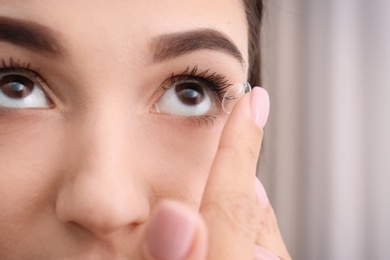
point(263, 254)
point(171, 232)
point(259, 106)
point(260, 193)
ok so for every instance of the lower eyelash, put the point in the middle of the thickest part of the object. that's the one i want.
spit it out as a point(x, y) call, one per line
point(207, 121)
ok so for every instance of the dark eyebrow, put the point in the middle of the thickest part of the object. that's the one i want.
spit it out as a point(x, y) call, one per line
point(30, 35)
point(173, 45)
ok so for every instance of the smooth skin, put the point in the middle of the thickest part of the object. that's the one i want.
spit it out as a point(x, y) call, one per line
point(89, 176)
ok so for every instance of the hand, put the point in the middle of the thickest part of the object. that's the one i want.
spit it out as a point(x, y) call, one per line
point(234, 221)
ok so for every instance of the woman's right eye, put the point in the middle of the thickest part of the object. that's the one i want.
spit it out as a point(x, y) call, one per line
point(21, 91)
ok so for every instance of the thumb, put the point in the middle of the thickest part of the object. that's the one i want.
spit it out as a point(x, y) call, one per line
point(175, 232)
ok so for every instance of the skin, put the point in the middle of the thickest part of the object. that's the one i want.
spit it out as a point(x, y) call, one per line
point(81, 179)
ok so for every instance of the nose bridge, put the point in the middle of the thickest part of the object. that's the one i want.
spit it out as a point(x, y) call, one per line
point(102, 137)
point(101, 190)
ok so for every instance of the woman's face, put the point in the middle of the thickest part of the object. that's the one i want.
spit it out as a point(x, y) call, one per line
point(117, 108)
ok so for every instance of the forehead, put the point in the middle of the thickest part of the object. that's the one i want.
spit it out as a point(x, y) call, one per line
point(131, 18)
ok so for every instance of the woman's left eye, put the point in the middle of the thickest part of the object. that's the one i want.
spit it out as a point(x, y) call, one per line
point(187, 98)
point(21, 91)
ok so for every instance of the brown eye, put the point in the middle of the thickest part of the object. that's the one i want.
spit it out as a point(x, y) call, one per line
point(190, 93)
point(16, 86)
point(188, 98)
point(21, 91)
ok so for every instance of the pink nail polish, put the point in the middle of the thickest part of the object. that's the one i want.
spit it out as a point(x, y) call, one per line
point(171, 232)
point(260, 106)
point(263, 254)
point(260, 193)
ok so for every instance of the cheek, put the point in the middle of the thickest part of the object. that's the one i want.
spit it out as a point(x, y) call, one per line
point(27, 156)
point(179, 159)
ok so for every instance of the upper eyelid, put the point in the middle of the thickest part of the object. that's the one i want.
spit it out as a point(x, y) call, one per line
point(202, 80)
point(24, 69)
point(207, 75)
point(213, 88)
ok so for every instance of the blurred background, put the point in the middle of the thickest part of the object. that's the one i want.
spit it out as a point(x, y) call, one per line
point(326, 157)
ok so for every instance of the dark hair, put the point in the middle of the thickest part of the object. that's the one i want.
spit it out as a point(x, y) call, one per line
point(254, 11)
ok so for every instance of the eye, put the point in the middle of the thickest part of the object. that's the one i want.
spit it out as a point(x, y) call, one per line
point(188, 98)
point(21, 91)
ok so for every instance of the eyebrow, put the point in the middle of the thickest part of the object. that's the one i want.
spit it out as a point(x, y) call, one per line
point(30, 35)
point(170, 46)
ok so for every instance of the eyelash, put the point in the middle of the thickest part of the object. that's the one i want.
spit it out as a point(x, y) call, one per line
point(216, 84)
point(16, 66)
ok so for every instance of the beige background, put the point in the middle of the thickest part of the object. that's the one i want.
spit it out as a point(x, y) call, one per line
point(326, 157)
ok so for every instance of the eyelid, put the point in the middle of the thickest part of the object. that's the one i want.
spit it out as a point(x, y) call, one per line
point(21, 67)
point(216, 83)
point(25, 72)
point(208, 86)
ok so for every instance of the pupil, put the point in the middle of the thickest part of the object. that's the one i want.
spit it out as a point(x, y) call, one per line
point(189, 93)
point(16, 86)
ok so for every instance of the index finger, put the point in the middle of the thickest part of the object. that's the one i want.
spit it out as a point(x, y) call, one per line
point(229, 205)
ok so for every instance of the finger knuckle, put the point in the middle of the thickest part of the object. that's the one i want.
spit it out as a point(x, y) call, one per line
point(264, 229)
point(267, 227)
point(249, 145)
point(240, 155)
point(251, 151)
point(238, 211)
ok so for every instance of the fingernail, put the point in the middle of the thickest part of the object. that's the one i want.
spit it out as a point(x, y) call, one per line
point(171, 232)
point(260, 106)
point(260, 193)
point(263, 254)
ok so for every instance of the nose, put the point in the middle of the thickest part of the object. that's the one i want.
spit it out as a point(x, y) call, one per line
point(101, 187)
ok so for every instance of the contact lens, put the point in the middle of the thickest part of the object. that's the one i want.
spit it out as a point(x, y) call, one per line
point(233, 94)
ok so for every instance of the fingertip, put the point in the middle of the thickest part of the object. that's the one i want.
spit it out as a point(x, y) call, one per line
point(260, 106)
point(264, 254)
point(171, 231)
point(201, 240)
